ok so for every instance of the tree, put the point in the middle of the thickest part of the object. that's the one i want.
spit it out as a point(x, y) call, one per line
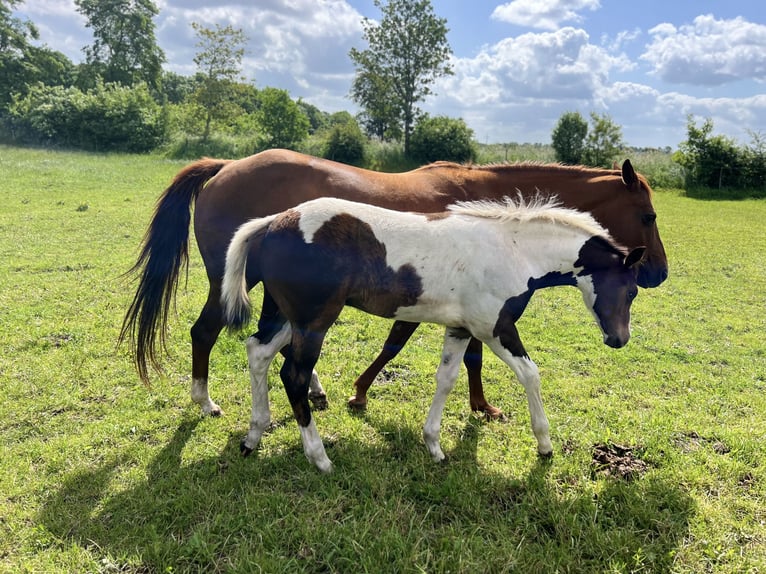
point(568, 138)
point(124, 49)
point(407, 52)
point(603, 142)
point(442, 138)
point(345, 141)
point(283, 122)
point(710, 161)
point(23, 65)
point(219, 63)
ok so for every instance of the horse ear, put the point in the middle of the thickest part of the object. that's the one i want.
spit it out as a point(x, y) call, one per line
point(634, 257)
point(629, 176)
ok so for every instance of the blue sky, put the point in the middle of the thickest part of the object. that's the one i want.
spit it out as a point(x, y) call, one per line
point(518, 65)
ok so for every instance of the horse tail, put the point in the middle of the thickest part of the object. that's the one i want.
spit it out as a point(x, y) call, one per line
point(165, 251)
point(234, 297)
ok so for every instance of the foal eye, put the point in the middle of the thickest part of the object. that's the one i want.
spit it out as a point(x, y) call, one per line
point(648, 218)
point(632, 294)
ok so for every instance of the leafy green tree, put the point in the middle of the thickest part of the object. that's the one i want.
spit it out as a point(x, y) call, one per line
point(317, 118)
point(568, 138)
point(710, 161)
point(282, 121)
point(442, 138)
point(603, 142)
point(22, 64)
point(345, 140)
point(408, 51)
point(124, 48)
point(219, 65)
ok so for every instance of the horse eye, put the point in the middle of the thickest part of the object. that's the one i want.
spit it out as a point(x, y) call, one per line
point(649, 218)
point(632, 294)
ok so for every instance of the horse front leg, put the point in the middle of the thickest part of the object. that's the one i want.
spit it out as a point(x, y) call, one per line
point(204, 334)
point(262, 347)
point(472, 361)
point(455, 344)
point(300, 357)
point(508, 347)
point(400, 333)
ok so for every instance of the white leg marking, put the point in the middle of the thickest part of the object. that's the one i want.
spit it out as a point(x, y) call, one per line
point(529, 376)
point(446, 375)
point(200, 395)
point(315, 387)
point(313, 447)
point(259, 357)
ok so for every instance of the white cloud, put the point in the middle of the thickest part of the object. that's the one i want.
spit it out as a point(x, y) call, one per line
point(543, 14)
point(708, 52)
point(546, 66)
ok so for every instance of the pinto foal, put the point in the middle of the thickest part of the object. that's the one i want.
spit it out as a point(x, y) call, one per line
point(472, 269)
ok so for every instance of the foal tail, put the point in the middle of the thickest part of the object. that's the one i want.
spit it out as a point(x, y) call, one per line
point(234, 297)
point(165, 251)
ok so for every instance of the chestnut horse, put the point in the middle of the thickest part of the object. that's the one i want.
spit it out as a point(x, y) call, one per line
point(230, 192)
point(327, 253)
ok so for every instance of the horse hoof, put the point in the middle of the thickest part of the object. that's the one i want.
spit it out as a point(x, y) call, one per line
point(356, 404)
point(319, 401)
point(244, 449)
point(490, 413)
point(545, 455)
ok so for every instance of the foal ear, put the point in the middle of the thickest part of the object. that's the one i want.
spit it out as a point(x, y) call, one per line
point(634, 257)
point(629, 176)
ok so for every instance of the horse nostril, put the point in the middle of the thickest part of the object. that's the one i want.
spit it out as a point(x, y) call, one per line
point(614, 341)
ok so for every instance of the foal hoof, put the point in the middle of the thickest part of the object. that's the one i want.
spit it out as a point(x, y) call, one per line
point(546, 456)
point(319, 401)
point(244, 449)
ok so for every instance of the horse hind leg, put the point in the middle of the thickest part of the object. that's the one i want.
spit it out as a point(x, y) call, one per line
point(261, 350)
point(455, 344)
point(270, 315)
point(204, 334)
point(296, 374)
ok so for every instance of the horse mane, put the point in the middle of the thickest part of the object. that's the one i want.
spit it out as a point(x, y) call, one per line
point(540, 208)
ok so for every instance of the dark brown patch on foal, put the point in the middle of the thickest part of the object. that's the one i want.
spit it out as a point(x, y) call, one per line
point(344, 263)
point(373, 286)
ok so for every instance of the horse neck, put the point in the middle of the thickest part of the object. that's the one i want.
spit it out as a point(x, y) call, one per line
point(550, 250)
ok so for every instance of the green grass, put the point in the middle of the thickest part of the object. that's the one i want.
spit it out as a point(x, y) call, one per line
point(101, 474)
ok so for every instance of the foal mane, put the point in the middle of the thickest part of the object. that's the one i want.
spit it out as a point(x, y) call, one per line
point(537, 209)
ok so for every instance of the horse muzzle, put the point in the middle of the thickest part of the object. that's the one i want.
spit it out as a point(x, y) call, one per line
point(615, 341)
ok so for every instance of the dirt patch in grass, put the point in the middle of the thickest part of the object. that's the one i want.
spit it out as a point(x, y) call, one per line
point(617, 461)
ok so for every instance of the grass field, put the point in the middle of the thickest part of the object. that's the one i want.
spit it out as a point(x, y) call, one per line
point(99, 473)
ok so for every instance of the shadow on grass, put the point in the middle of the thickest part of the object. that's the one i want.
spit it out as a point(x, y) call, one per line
point(384, 504)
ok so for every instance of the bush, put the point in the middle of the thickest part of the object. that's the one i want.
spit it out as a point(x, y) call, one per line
point(442, 138)
point(108, 118)
point(345, 143)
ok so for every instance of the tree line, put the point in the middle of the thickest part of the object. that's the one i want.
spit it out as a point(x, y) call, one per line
point(120, 98)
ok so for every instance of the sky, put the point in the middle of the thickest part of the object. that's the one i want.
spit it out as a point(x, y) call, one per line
point(518, 65)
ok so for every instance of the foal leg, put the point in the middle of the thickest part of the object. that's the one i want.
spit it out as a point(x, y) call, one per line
point(271, 316)
point(472, 362)
point(397, 337)
point(204, 334)
point(455, 343)
point(261, 350)
point(300, 358)
point(509, 348)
